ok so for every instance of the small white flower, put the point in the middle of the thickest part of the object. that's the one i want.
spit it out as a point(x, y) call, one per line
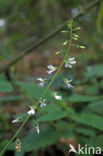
point(57, 97)
point(42, 81)
point(36, 125)
point(51, 69)
point(38, 130)
point(67, 82)
point(68, 65)
point(70, 62)
point(2, 22)
point(15, 120)
point(31, 111)
point(42, 103)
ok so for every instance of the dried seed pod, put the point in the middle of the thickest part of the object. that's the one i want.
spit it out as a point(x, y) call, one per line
point(18, 145)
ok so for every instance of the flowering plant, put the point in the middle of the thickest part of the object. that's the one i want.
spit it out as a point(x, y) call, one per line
point(42, 103)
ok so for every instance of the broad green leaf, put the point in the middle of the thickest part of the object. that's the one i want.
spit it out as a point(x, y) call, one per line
point(55, 112)
point(46, 137)
point(82, 98)
point(52, 116)
point(5, 86)
point(96, 106)
point(93, 141)
point(67, 127)
point(34, 90)
point(91, 120)
point(50, 108)
point(94, 71)
point(91, 89)
point(22, 116)
point(86, 131)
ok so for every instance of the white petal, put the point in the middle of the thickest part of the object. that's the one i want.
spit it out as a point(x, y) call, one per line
point(69, 85)
point(38, 130)
point(49, 71)
point(73, 62)
point(66, 65)
point(41, 84)
point(70, 80)
point(72, 58)
point(42, 105)
point(50, 66)
point(40, 79)
point(15, 121)
point(57, 97)
point(31, 112)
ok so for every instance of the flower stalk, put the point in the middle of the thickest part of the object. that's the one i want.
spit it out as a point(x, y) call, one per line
point(44, 93)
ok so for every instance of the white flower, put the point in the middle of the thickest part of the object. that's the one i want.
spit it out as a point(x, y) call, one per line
point(31, 111)
point(42, 81)
point(67, 82)
point(37, 129)
point(57, 97)
point(42, 103)
point(36, 125)
point(70, 62)
point(15, 120)
point(51, 69)
point(2, 22)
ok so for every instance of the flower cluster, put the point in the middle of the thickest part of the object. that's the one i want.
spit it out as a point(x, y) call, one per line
point(68, 62)
point(41, 81)
point(43, 103)
point(31, 111)
point(51, 69)
point(68, 83)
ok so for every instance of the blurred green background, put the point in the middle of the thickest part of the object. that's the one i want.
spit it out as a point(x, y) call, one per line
point(22, 24)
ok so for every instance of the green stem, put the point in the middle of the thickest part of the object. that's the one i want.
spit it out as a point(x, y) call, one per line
point(59, 68)
point(66, 55)
point(17, 132)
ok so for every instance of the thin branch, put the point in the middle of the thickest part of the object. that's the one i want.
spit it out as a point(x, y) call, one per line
point(47, 37)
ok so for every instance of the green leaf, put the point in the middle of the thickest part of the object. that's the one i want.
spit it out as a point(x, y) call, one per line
point(93, 141)
point(82, 98)
point(92, 120)
point(52, 116)
point(54, 113)
point(91, 89)
point(5, 86)
point(67, 127)
point(34, 90)
point(96, 106)
point(50, 108)
point(94, 71)
point(46, 137)
point(21, 116)
point(86, 131)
